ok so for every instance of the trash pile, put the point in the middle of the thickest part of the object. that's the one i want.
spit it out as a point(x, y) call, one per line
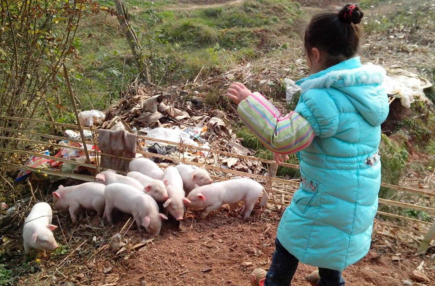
point(176, 115)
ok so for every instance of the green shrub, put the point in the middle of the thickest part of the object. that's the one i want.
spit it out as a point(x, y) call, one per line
point(5, 275)
point(191, 32)
point(213, 12)
point(393, 158)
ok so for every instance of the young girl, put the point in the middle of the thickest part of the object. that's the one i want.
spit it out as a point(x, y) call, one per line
point(336, 131)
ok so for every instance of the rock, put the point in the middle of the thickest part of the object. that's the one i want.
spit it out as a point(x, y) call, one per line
point(407, 282)
point(246, 264)
point(419, 276)
point(143, 283)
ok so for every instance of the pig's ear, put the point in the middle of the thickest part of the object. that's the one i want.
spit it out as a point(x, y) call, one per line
point(61, 187)
point(166, 204)
point(193, 176)
point(34, 237)
point(148, 189)
point(201, 197)
point(166, 182)
point(100, 177)
point(51, 227)
point(162, 216)
point(57, 195)
point(146, 221)
point(186, 201)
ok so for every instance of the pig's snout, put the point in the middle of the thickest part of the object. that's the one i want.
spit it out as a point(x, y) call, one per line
point(179, 218)
point(210, 182)
point(165, 197)
point(54, 246)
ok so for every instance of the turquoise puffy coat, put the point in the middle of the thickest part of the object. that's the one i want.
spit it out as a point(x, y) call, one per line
point(329, 222)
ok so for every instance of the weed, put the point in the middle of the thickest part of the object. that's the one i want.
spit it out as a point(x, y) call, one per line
point(5, 275)
point(60, 251)
point(213, 12)
point(191, 32)
point(394, 158)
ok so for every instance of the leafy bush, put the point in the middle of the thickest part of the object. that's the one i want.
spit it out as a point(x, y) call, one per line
point(5, 275)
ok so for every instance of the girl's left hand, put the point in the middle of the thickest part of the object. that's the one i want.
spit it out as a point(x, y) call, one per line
point(238, 92)
point(279, 158)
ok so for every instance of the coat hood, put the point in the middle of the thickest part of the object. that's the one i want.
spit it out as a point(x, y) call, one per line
point(360, 83)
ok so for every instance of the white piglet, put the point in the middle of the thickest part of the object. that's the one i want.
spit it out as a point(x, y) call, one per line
point(193, 177)
point(87, 195)
point(37, 231)
point(155, 188)
point(175, 203)
point(212, 197)
point(141, 206)
point(146, 167)
point(111, 177)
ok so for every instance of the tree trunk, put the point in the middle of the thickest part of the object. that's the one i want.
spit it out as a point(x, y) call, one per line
point(132, 40)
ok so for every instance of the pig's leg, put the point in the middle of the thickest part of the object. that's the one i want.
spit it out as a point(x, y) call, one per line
point(249, 206)
point(73, 208)
point(138, 222)
point(108, 212)
point(98, 205)
point(26, 248)
point(209, 209)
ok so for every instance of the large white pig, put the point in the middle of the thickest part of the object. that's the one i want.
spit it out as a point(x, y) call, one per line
point(146, 167)
point(37, 231)
point(193, 177)
point(212, 197)
point(155, 188)
point(141, 206)
point(87, 195)
point(111, 177)
point(175, 203)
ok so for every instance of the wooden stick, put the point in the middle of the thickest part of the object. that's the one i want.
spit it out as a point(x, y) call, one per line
point(49, 172)
point(407, 189)
point(42, 135)
point(45, 143)
point(399, 227)
point(72, 126)
point(402, 217)
point(48, 157)
point(71, 93)
point(273, 168)
point(406, 205)
point(31, 190)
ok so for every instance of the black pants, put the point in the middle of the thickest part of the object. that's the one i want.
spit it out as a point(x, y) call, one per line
point(284, 266)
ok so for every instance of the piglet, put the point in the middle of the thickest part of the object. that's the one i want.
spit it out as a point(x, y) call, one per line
point(212, 197)
point(175, 203)
point(146, 167)
point(193, 177)
point(37, 231)
point(87, 195)
point(141, 206)
point(110, 177)
point(155, 188)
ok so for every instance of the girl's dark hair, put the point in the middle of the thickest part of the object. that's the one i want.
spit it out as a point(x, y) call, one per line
point(336, 35)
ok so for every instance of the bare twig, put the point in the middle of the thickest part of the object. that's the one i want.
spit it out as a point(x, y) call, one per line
point(71, 93)
point(63, 261)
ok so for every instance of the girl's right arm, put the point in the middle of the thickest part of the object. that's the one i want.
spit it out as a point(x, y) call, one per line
point(282, 134)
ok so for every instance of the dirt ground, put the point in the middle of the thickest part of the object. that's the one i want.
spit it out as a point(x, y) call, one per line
point(220, 250)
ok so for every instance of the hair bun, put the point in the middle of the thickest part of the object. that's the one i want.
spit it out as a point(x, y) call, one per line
point(351, 14)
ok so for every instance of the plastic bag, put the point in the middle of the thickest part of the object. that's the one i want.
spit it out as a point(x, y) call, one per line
point(174, 135)
point(291, 89)
point(89, 117)
point(34, 162)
